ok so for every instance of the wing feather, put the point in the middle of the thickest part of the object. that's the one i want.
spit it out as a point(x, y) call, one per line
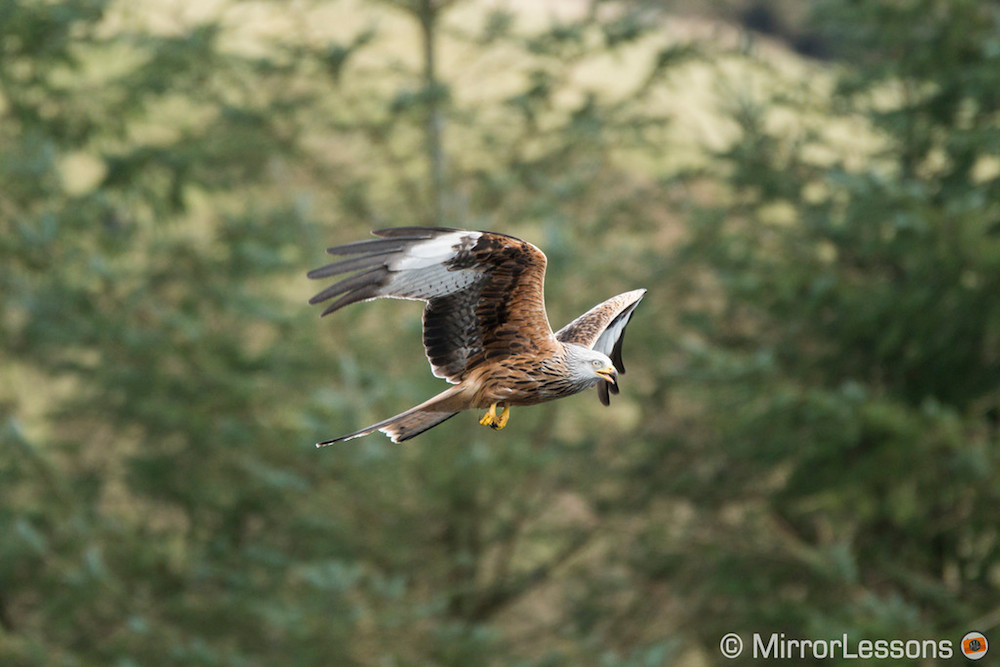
point(367, 261)
point(602, 328)
point(483, 290)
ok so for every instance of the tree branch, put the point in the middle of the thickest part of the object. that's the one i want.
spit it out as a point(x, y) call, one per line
point(503, 595)
point(427, 14)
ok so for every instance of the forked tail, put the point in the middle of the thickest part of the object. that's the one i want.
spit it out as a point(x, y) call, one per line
point(411, 423)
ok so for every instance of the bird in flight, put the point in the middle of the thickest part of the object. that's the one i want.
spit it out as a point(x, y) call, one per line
point(485, 329)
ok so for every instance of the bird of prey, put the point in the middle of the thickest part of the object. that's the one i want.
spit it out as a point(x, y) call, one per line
point(485, 328)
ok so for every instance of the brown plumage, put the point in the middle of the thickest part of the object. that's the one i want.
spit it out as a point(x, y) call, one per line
point(485, 326)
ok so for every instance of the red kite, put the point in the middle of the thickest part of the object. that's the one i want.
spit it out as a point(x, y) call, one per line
point(485, 327)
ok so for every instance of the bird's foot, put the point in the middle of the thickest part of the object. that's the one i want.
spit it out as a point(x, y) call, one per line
point(503, 417)
point(493, 420)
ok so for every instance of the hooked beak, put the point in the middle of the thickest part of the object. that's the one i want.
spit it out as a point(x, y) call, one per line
point(609, 374)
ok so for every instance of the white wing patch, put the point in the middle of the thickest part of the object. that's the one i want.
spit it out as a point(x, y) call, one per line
point(422, 271)
point(429, 282)
point(606, 341)
point(433, 251)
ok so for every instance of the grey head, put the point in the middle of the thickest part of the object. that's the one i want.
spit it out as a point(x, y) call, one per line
point(586, 367)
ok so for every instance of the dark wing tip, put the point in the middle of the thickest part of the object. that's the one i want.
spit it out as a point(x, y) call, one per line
point(353, 297)
point(384, 246)
point(616, 352)
point(365, 261)
point(602, 392)
point(412, 232)
point(371, 278)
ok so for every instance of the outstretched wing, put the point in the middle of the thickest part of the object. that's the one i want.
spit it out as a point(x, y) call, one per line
point(602, 328)
point(483, 291)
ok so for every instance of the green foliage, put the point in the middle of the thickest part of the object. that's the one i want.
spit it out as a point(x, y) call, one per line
point(806, 438)
point(138, 526)
point(164, 193)
point(850, 368)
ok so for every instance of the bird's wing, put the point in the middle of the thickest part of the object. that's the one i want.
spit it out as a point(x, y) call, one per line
point(483, 291)
point(602, 328)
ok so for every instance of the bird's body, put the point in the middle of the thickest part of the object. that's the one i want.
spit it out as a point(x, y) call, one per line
point(525, 380)
point(485, 327)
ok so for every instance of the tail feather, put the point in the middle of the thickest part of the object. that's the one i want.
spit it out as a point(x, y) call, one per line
point(407, 424)
point(413, 425)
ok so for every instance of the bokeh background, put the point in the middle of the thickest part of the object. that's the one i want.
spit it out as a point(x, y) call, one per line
point(807, 437)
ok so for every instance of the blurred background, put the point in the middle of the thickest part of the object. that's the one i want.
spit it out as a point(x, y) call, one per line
point(807, 437)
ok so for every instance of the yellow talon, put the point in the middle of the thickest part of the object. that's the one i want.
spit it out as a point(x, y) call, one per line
point(504, 416)
point(494, 421)
point(490, 417)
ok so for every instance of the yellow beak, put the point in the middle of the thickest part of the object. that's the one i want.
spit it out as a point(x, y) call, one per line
point(608, 373)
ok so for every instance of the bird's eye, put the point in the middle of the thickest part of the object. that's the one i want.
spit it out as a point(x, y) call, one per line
point(595, 363)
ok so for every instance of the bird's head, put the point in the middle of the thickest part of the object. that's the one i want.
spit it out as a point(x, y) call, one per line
point(590, 366)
